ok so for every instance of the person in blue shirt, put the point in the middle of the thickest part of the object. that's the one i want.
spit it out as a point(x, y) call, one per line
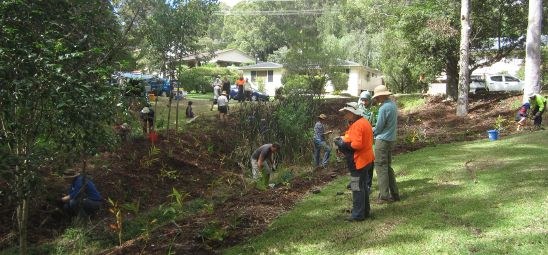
point(83, 196)
point(320, 143)
point(384, 134)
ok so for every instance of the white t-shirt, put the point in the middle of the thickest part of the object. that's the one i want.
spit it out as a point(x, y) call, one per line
point(216, 91)
point(222, 100)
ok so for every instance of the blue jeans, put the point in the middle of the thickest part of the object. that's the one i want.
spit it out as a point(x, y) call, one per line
point(360, 192)
point(318, 146)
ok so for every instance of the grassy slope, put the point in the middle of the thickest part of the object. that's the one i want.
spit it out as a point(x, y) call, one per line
point(494, 204)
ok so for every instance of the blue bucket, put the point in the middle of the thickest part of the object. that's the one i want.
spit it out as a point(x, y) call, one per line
point(493, 134)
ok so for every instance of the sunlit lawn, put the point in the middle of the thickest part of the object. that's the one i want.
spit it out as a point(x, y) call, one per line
point(468, 198)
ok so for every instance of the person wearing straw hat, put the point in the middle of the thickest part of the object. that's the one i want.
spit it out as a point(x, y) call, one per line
point(320, 143)
point(222, 106)
point(83, 196)
point(147, 119)
point(385, 138)
point(357, 145)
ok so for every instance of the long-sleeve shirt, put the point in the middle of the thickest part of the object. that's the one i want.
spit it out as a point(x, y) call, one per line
point(360, 137)
point(91, 191)
point(319, 130)
point(539, 102)
point(387, 121)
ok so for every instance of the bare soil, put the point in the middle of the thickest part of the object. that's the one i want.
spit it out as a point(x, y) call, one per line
point(135, 174)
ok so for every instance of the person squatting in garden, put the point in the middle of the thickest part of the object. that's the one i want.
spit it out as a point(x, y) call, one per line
point(320, 143)
point(357, 146)
point(222, 106)
point(521, 116)
point(385, 138)
point(83, 196)
point(189, 113)
point(538, 106)
point(147, 119)
point(262, 161)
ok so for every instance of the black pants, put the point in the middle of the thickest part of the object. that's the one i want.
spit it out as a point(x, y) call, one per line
point(538, 120)
point(87, 206)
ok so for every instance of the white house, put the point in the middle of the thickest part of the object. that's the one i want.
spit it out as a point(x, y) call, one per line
point(270, 73)
point(359, 77)
point(221, 58)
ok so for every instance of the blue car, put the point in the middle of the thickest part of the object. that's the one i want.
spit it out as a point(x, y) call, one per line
point(255, 94)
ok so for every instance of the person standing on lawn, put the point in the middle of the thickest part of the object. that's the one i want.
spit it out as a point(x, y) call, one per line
point(262, 161)
point(385, 138)
point(320, 143)
point(216, 94)
point(240, 83)
point(226, 87)
point(369, 113)
point(538, 106)
point(357, 145)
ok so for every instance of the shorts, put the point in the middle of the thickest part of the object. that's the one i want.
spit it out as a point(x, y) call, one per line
point(223, 109)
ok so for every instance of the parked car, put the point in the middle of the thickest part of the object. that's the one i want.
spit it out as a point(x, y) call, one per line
point(255, 94)
point(497, 82)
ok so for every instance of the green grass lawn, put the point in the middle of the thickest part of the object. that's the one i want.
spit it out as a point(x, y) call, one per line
point(477, 197)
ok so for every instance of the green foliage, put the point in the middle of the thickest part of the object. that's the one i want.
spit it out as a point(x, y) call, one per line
point(500, 122)
point(200, 79)
point(213, 231)
point(339, 81)
point(410, 102)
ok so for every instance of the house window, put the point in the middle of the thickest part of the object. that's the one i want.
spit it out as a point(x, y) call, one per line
point(253, 75)
point(347, 71)
point(270, 75)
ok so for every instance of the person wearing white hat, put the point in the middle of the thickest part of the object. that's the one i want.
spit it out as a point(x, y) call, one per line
point(357, 145)
point(385, 138)
point(320, 142)
point(147, 119)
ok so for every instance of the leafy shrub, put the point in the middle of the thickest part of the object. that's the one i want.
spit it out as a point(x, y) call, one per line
point(199, 79)
point(339, 81)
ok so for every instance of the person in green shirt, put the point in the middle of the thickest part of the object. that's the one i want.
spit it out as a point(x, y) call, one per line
point(538, 105)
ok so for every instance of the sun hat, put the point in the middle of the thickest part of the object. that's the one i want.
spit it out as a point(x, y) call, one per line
point(322, 116)
point(381, 90)
point(352, 110)
point(145, 110)
point(365, 95)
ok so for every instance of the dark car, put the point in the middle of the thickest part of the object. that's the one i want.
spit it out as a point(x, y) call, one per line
point(255, 94)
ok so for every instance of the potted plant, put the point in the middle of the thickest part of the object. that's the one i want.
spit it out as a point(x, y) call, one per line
point(497, 128)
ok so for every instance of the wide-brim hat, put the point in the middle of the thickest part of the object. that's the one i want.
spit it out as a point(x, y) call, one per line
point(145, 110)
point(352, 110)
point(381, 90)
point(322, 116)
point(223, 93)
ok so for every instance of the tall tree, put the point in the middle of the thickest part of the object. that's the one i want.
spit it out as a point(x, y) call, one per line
point(532, 50)
point(55, 101)
point(464, 68)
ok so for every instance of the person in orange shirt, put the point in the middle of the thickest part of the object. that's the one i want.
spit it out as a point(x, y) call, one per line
point(357, 144)
point(240, 83)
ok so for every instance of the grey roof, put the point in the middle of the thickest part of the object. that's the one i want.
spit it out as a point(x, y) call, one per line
point(262, 65)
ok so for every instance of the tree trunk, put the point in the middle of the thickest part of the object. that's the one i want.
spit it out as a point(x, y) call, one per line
point(532, 49)
point(452, 73)
point(464, 69)
point(177, 110)
point(22, 221)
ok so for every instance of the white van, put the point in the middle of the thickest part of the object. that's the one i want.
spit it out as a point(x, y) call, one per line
point(497, 82)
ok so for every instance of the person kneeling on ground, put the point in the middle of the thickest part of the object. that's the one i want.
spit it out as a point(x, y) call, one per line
point(83, 196)
point(521, 116)
point(189, 113)
point(261, 159)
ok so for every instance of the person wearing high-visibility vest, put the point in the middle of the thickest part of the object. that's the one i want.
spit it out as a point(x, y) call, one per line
point(538, 106)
